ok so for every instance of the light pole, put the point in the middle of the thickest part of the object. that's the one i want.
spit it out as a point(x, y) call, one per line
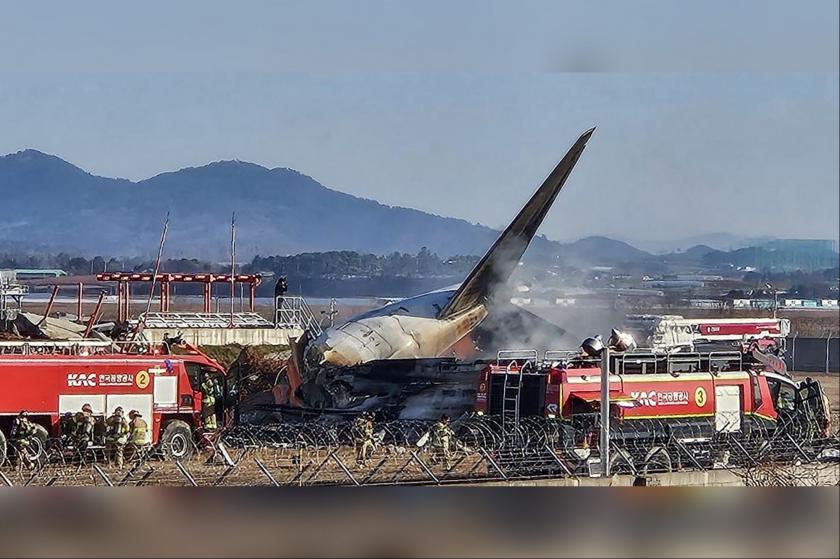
point(827, 350)
point(775, 297)
point(605, 411)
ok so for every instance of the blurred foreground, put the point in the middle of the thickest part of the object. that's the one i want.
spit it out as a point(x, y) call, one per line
point(420, 522)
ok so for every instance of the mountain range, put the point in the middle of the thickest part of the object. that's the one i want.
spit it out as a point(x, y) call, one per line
point(51, 205)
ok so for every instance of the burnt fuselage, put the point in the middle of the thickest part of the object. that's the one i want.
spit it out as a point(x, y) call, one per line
point(406, 329)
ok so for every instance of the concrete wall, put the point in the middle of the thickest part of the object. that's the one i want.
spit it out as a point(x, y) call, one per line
point(225, 336)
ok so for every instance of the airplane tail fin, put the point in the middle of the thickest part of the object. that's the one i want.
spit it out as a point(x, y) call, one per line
point(498, 264)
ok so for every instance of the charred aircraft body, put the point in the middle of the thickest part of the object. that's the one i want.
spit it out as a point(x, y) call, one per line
point(428, 325)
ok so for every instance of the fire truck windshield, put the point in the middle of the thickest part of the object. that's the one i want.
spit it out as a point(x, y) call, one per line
point(783, 394)
point(195, 372)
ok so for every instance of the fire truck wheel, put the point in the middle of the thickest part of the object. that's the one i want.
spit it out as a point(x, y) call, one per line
point(176, 440)
point(2, 448)
point(657, 460)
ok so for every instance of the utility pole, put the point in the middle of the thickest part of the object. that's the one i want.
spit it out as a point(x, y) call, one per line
point(232, 264)
point(605, 411)
point(775, 297)
point(142, 323)
point(333, 312)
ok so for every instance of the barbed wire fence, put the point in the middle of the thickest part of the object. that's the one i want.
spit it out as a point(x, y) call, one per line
point(483, 449)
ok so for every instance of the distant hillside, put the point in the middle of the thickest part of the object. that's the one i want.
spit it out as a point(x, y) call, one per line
point(54, 205)
point(785, 259)
point(717, 241)
point(601, 250)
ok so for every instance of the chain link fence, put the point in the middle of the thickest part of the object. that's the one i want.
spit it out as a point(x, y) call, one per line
point(813, 355)
point(483, 449)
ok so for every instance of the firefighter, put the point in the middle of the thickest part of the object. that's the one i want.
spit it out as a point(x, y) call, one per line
point(786, 401)
point(23, 432)
point(441, 436)
point(83, 434)
point(209, 392)
point(116, 436)
point(137, 431)
point(68, 427)
point(281, 287)
point(170, 342)
point(363, 437)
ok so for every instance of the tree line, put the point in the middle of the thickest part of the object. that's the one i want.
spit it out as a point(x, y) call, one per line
point(340, 264)
point(334, 264)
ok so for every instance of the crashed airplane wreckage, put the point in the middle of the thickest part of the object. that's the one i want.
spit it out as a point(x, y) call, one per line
point(405, 354)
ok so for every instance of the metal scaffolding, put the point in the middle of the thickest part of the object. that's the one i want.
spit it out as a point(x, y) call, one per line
point(164, 282)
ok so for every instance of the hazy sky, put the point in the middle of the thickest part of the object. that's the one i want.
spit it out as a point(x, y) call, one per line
point(711, 116)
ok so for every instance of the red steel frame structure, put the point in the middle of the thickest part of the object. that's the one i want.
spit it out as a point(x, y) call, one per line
point(124, 281)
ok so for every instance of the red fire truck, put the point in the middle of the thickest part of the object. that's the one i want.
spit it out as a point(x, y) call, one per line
point(656, 398)
point(49, 380)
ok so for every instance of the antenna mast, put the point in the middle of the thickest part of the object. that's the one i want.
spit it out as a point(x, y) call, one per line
point(232, 264)
point(142, 322)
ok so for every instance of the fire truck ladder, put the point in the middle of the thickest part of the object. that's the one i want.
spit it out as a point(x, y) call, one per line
point(57, 347)
point(510, 396)
point(512, 383)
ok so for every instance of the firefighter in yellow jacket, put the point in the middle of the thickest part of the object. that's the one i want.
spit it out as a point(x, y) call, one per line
point(441, 435)
point(363, 437)
point(116, 436)
point(209, 392)
point(83, 432)
point(137, 433)
point(23, 435)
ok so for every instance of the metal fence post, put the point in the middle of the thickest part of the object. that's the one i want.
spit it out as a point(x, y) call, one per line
point(265, 472)
point(493, 463)
point(425, 467)
point(6, 480)
point(374, 471)
point(827, 350)
point(186, 473)
point(103, 475)
point(344, 468)
point(605, 412)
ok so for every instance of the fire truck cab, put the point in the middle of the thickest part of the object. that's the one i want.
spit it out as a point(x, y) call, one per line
point(164, 388)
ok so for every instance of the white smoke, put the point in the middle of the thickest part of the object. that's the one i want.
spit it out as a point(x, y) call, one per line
point(542, 325)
